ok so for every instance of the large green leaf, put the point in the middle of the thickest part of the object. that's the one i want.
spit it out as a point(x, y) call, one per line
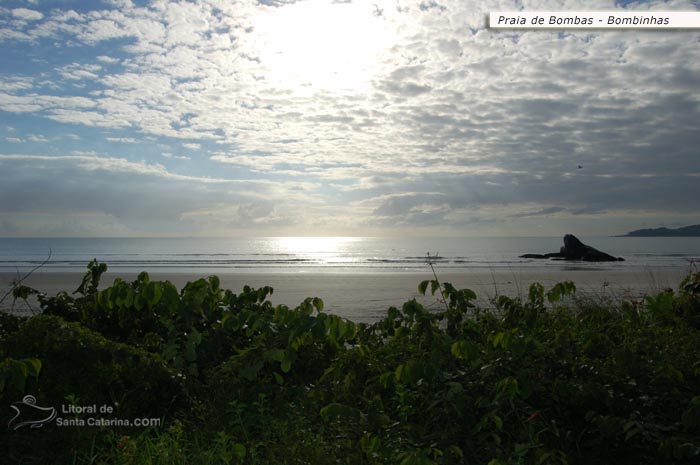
point(336, 412)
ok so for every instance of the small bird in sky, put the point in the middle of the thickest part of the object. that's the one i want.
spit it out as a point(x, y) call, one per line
point(579, 166)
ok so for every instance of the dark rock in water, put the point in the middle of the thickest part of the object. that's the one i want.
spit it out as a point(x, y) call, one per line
point(532, 255)
point(574, 249)
point(539, 255)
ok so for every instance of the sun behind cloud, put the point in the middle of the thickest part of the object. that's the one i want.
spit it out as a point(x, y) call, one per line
point(320, 45)
point(324, 117)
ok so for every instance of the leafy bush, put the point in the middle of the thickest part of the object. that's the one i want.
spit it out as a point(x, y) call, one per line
point(77, 361)
point(63, 363)
point(551, 379)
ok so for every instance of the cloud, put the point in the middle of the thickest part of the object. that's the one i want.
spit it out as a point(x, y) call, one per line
point(15, 83)
point(176, 157)
point(107, 59)
point(90, 162)
point(539, 212)
point(445, 123)
point(78, 71)
point(84, 189)
point(27, 14)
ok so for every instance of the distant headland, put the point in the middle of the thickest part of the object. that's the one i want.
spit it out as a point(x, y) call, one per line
point(686, 231)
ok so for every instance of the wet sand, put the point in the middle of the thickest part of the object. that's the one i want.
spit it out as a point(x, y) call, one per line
point(366, 297)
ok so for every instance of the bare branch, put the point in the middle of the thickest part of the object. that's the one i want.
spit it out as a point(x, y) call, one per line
point(430, 260)
point(17, 282)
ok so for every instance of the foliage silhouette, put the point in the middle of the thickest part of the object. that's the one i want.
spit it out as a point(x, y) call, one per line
point(552, 379)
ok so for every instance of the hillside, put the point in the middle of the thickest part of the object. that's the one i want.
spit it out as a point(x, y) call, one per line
point(686, 231)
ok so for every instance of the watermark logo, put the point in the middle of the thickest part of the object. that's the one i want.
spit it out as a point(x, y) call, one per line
point(29, 414)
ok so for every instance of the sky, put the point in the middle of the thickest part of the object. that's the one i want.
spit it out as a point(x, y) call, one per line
point(315, 117)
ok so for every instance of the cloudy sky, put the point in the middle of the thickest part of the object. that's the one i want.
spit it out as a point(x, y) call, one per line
point(319, 117)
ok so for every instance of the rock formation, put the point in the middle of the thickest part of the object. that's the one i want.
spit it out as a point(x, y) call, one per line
point(574, 249)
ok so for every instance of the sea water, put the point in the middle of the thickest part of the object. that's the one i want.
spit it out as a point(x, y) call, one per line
point(336, 254)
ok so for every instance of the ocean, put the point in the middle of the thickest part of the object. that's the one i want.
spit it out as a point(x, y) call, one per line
point(336, 254)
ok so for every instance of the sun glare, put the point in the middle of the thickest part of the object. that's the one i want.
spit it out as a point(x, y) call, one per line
point(318, 45)
point(313, 245)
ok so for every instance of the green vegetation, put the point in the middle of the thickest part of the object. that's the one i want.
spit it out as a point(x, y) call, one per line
point(551, 379)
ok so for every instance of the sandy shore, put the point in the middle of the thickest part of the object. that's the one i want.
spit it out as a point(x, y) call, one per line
point(366, 297)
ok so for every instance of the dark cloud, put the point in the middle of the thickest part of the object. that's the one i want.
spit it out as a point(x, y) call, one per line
point(406, 89)
point(542, 212)
point(138, 202)
point(278, 3)
point(402, 204)
point(425, 6)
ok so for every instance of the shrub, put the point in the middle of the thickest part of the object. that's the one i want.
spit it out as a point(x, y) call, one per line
point(549, 379)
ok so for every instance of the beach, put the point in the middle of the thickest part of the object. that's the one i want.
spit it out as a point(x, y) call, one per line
point(365, 297)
